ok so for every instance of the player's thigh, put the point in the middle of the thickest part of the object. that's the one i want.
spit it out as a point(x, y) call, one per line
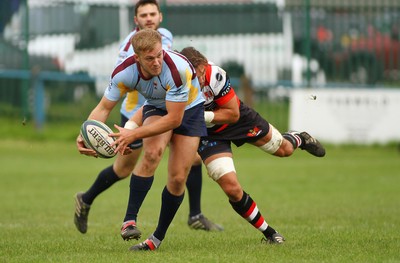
point(197, 160)
point(154, 146)
point(214, 149)
point(183, 151)
point(216, 156)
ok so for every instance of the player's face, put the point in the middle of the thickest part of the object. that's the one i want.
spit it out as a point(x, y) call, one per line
point(148, 16)
point(151, 61)
point(201, 74)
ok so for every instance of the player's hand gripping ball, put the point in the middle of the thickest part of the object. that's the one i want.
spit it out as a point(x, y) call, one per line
point(95, 136)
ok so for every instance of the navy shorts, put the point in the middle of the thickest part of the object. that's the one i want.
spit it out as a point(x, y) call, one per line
point(250, 127)
point(192, 123)
point(136, 144)
point(209, 147)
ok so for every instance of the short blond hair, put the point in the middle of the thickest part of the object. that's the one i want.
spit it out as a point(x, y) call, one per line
point(145, 40)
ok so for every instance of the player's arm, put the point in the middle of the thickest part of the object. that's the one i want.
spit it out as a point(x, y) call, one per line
point(136, 120)
point(227, 110)
point(100, 113)
point(102, 110)
point(226, 113)
point(170, 121)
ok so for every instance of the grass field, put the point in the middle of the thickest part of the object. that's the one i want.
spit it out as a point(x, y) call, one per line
point(342, 208)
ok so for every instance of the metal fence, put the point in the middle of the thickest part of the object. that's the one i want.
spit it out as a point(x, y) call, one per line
point(58, 52)
point(353, 41)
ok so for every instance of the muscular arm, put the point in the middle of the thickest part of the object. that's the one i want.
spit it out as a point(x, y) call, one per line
point(102, 110)
point(137, 117)
point(227, 113)
point(168, 122)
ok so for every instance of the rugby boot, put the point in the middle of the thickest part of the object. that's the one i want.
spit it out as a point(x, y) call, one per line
point(274, 239)
point(149, 244)
point(81, 213)
point(130, 231)
point(203, 223)
point(311, 145)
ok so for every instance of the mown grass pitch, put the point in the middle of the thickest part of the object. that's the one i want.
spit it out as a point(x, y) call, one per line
point(341, 208)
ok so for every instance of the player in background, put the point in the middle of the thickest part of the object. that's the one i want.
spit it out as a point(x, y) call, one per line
point(147, 15)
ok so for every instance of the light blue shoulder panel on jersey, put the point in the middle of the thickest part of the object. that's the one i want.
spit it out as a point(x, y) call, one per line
point(175, 83)
point(167, 38)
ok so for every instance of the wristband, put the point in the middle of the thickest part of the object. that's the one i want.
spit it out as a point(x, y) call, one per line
point(130, 125)
point(209, 116)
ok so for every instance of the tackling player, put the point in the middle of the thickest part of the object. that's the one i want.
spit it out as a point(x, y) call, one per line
point(229, 121)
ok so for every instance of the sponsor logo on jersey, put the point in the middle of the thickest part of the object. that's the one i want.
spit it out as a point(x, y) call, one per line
point(226, 90)
point(218, 76)
point(254, 132)
point(208, 94)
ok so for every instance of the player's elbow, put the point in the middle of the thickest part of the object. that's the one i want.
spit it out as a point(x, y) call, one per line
point(234, 116)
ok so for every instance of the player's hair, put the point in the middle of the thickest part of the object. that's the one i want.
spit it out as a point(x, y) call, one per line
point(146, 2)
point(194, 56)
point(145, 40)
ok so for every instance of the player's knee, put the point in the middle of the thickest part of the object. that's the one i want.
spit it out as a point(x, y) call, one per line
point(153, 154)
point(178, 180)
point(231, 186)
point(219, 167)
point(233, 191)
point(123, 166)
point(274, 144)
point(123, 170)
point(176, 183)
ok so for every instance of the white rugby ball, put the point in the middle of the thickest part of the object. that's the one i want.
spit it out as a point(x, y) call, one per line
point(95, 136)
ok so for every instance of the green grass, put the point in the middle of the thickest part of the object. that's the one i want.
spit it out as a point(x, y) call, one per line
point(341, 208)
point(62, 120)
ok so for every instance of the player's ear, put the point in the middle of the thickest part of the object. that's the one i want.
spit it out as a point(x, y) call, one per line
point(161, 17)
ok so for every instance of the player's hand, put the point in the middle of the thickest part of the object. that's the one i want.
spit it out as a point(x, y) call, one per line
point(208, 117)
point(122, 139)
point(82, 148)
point(127, 151)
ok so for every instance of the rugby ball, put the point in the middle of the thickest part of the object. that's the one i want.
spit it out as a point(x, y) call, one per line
point(95, 136)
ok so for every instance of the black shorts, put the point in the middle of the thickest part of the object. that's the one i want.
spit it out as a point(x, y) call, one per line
point(192, 123)
point(136, 144)
point(250, 127)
